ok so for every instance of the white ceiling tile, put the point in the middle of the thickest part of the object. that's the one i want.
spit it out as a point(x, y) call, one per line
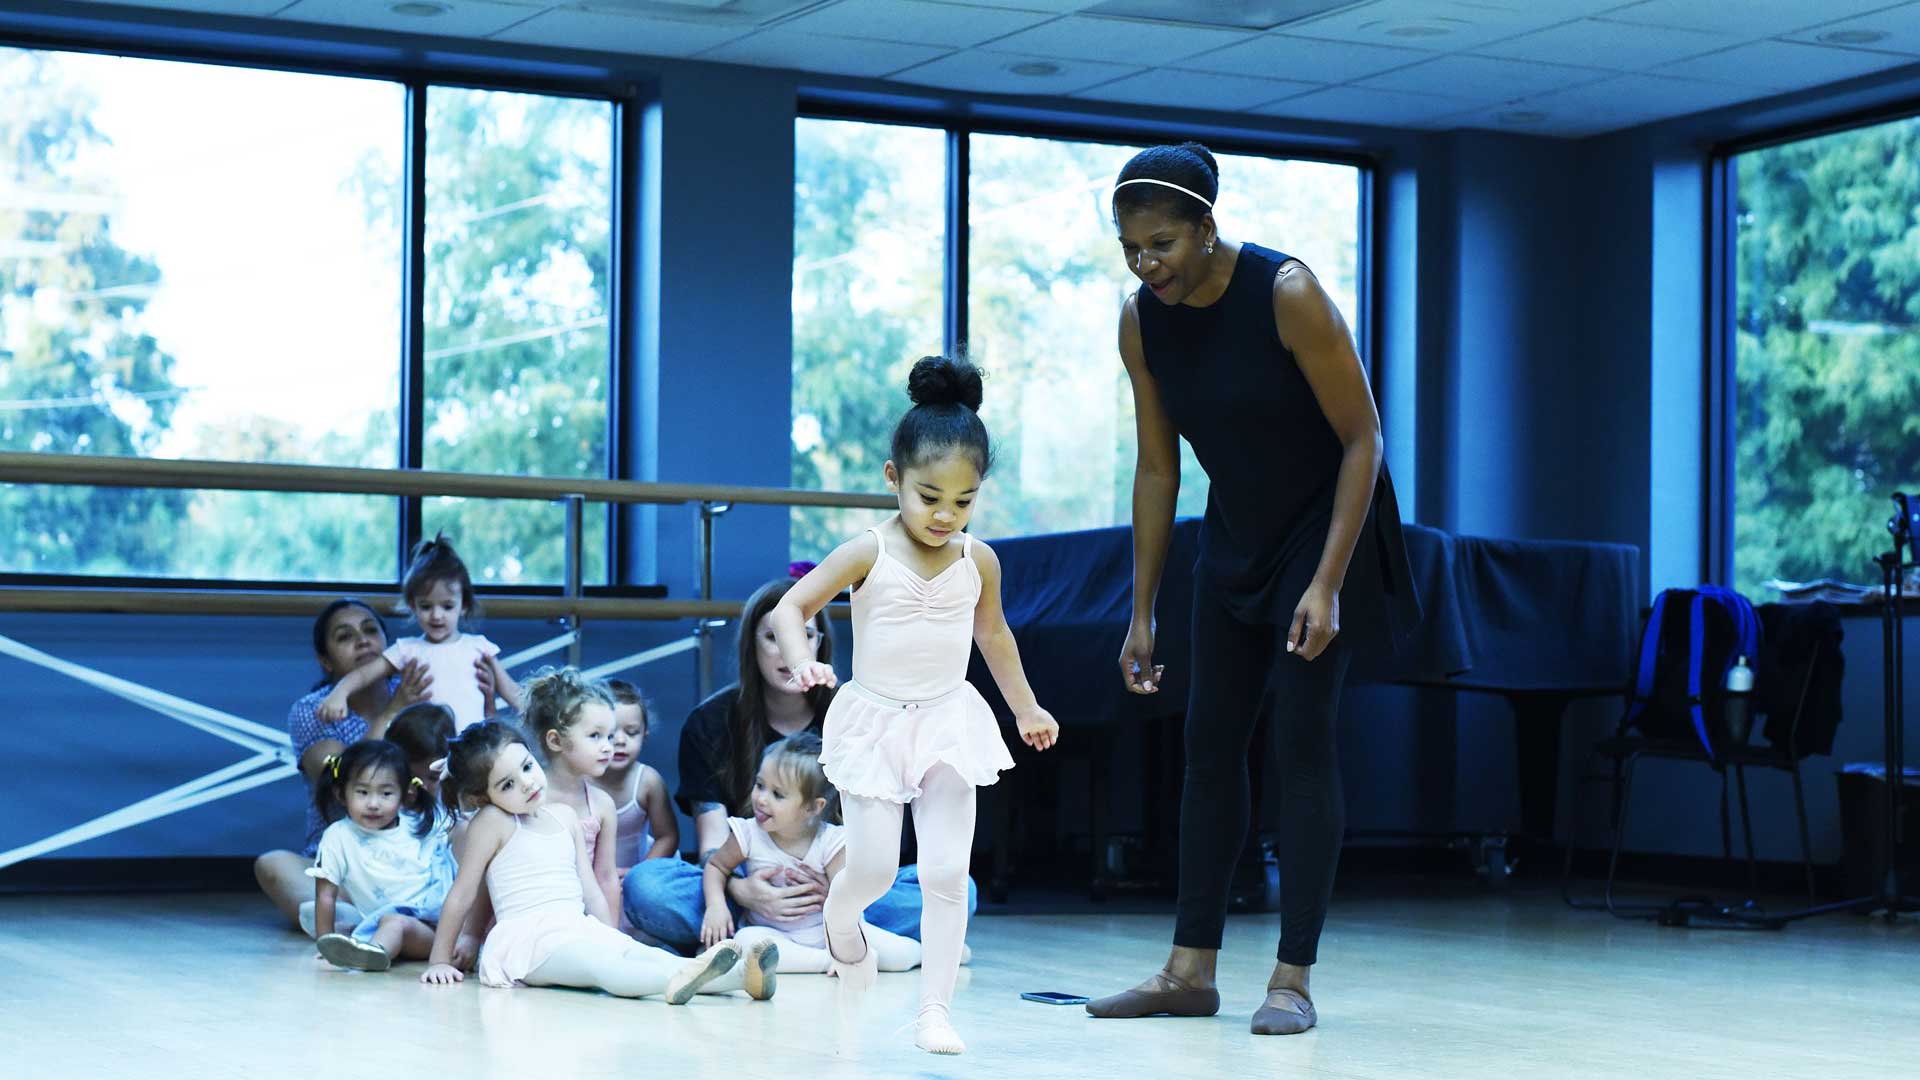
point(1051, 7)
point(620, 33)
point(1901, 26)
point(1645, 95)
point(1358, 105)
point(463, 18)
point(1195, 90)
point(1618, 46)
point(1508, 120)
point(1784, 65)
point(1082, 37)
point(1747, 18)
point(1281, 56)
point(1482, 78)
point(1629, 101)
point(781, 47)
point(914, 22)
point(1545, 116)
point(1434, 25)
point(991, 73)
point(1566, 9)
point(215, 7)
point(746, 14)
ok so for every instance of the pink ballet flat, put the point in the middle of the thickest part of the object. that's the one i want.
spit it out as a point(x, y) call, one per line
point(858, 974)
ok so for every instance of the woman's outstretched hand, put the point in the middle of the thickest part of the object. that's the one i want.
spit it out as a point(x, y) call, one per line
point(758, 893)
point(1137, 668)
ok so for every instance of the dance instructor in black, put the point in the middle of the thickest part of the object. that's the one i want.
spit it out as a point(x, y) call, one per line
point(1301, 561)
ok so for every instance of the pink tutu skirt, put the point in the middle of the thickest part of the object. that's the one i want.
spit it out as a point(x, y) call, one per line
point(880, 748)
point(517, 946)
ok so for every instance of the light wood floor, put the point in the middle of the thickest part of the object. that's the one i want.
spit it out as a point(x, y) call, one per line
point(1461, 985)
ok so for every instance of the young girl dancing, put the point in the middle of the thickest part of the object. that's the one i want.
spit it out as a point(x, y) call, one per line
point(790, 829)
point(644, 817)
point(570, 718)
point(909, 728)
point(439, 592)
point(553, 927)
point(388, 849)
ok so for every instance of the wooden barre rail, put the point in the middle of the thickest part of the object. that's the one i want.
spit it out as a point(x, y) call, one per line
point(105, 471)
point(257, 602)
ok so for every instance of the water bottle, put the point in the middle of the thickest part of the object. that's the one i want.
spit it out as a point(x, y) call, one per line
point(1735, 707)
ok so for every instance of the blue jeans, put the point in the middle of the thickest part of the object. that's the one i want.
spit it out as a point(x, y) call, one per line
point(662, 898)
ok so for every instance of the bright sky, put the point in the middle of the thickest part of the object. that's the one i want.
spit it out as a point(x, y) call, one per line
point(277, 298)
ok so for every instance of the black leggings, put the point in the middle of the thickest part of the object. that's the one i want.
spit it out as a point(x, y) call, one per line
point(1233, 664)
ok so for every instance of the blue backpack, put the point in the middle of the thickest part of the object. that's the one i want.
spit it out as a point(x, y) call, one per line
point(1692, 639)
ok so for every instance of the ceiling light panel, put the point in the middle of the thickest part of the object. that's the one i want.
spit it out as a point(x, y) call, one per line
point(716, 12)
point(1126, 40)
point(914, 23)
point(1228, 14)
point(1434, 25)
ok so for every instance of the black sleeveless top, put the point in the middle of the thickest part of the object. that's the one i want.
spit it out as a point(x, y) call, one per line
point(1236, 393)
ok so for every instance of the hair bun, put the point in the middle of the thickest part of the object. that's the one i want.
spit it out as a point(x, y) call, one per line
point(941, 380)
point(1206, 158)
point(555, 682)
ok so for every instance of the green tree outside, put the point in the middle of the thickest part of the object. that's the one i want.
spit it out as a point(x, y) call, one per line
point(1827, 361)
point(1045, 285)
point(78, 373)
point(519, 270)
point(519, 253)
point(869, 240)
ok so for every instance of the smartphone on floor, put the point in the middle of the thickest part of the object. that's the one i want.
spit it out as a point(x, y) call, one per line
point(1048, 997)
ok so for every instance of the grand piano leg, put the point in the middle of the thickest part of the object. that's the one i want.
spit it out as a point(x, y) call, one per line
point(1537, 716)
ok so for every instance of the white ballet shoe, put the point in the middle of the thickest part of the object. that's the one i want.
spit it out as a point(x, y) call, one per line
point(763, 966)
point(343, 951)
point(702, 970)
point(858, 974)
point(933, 1032)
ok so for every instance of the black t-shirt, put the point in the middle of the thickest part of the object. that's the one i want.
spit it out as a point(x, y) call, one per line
point(706, 745)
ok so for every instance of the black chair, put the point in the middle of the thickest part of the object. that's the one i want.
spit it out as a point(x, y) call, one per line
point(1787, 682)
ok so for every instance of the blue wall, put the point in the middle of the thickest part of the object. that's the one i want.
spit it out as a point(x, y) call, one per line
point(719, 382)
point(90, 753)
point(1540, 356)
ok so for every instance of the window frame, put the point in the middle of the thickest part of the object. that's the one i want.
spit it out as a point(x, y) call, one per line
point(418, 72)
point(960, 126)
point(1719, 366)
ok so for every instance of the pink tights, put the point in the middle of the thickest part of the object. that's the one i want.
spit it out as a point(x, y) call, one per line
point(943, 824)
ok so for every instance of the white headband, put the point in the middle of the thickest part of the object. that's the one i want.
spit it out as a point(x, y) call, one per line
point(1163, 183)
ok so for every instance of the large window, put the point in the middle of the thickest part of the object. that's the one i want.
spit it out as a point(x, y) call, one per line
point(188, 269)
point(1043, 284)
point(1826, 359)
point(519, 258)
point(200, 261)
point(869, 244)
